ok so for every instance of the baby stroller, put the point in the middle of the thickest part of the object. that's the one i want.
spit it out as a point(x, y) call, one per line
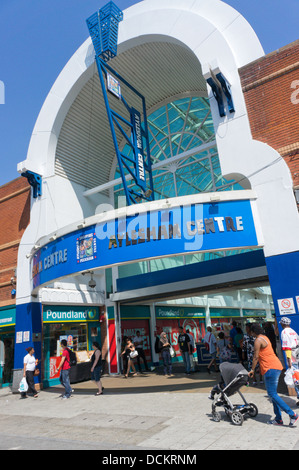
point(234, 377)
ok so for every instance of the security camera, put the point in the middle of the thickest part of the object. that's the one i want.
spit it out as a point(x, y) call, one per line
point(92, 283)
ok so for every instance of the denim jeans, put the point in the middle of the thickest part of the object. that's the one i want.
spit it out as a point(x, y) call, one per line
point(166, 361)
point(271, 378)
point(186, 359)
point(65, 381)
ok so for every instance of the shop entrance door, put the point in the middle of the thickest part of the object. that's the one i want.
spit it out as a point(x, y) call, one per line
point(6, 357)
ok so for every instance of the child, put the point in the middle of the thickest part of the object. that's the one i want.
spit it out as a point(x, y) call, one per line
point(217, 389)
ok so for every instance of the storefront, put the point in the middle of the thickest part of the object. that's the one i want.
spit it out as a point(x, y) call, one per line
point(137, 318)
point(7, 340)
point(80, 326)
point(191, 319)
point(216, 194)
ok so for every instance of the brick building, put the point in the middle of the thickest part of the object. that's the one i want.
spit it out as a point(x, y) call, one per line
point(14, 217)
point(271, 89)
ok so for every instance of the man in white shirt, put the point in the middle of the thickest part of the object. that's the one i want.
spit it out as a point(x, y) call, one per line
point(290, 345)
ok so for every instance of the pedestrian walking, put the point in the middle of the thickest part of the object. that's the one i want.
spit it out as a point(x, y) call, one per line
point(138, 343)
point(223, 348)
point(184, 344)
point(270, 332)
point(129, 352)
point(271, 368)
point(30, 364)
point(65, 367)
point(192, 347)
point(248, 353)
point(96, 367)
point(164, 347)
point(238, 338)
point(123, 356)
point(211, 346)
point(290, 345)
point(233, 333)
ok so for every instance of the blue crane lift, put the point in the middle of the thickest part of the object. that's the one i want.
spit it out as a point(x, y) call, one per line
point(132, 123)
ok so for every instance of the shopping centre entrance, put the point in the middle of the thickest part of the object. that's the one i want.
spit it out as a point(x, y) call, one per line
point(216, 297)
point(142, 198)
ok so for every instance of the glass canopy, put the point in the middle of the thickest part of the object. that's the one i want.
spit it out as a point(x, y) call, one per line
point(183, 151)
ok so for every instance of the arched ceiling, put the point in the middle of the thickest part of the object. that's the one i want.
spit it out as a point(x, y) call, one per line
point(158, 70)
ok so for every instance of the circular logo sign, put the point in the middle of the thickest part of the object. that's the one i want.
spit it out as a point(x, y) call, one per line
point(286, 303)
point(91, 314)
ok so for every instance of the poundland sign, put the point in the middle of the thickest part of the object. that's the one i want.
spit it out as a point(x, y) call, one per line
point(60, 314)
point(157, 233)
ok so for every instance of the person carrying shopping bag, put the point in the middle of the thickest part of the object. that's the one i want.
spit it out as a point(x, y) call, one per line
point(30, 364)
point(164, 347)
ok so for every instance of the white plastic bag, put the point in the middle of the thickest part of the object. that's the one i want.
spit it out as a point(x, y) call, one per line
point(23, 387)
point(172, 351)
point(288, 378)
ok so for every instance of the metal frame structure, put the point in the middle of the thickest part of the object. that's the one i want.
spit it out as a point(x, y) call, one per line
point(35, 182)
point(103, 28)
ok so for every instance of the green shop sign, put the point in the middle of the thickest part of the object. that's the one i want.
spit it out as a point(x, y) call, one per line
point(7, 316)
point(254, 313)
point(224, 312)
point(61, 314)
point(137, 312)
point(180, 312)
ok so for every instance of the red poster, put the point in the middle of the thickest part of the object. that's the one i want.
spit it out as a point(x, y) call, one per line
point(54, 363)
point(113, 363)
point(171, 327)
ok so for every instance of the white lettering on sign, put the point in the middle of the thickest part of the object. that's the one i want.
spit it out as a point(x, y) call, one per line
point(70, 315)
point(295, 94)
point(55, 258)
point(201, 226)
point(2, 92)
point(138, 131)
point(141, 166)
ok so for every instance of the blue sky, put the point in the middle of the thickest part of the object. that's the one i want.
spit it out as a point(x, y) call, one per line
point(37, 38)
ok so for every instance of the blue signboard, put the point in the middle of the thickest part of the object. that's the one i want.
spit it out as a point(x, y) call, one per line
point(153, 234)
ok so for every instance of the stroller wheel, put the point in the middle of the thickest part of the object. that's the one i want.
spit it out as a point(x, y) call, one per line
point(237, 418)
point(253, 411)
point(216, 416)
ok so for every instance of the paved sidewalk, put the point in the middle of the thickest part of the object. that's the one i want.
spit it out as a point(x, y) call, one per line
point(145, 412)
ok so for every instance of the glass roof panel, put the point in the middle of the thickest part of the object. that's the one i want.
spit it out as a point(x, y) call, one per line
point(175, 128)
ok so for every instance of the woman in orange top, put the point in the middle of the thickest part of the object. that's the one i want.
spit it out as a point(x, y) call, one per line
point(271, 368)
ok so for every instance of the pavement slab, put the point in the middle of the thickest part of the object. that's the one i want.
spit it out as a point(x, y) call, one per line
point(146, 413)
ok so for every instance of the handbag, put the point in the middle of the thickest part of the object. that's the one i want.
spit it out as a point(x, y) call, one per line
point(172, 351)
point(133, 354)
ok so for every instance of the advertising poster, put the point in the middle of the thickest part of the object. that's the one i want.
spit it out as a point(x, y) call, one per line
point(54, 363)
point(171, 327)
point(129, 328)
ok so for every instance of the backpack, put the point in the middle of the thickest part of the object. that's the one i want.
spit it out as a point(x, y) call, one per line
point(73, 357)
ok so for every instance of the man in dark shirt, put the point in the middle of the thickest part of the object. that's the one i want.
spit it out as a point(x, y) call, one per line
point(184, 345)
